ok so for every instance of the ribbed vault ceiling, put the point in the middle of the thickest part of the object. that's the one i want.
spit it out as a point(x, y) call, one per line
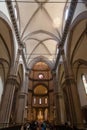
point(40, 24)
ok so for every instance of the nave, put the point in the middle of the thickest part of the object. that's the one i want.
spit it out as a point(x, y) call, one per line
point(43, 63)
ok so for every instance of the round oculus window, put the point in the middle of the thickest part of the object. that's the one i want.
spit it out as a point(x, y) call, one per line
point(40, 76)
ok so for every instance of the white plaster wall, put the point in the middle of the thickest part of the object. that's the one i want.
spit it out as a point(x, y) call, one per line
point(80, 86)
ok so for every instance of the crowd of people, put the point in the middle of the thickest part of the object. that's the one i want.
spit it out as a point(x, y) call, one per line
point(34, 125)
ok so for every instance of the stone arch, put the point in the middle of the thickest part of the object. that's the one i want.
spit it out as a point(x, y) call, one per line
point(75, 42)
point(40, 59)
point(76, 48)
point(82, 16)
point(80, 66)
point(6, 36)
point(7, 51)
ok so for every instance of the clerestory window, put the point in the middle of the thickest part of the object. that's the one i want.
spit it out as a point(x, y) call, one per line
point(40, 101)
point(45, 100)
point(34, 100)
point(84, 82)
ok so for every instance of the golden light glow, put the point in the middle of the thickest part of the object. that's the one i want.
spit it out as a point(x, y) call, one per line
point(40, 89)
point(40, 116)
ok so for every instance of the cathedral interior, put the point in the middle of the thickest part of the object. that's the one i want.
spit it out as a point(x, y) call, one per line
point(43, 62)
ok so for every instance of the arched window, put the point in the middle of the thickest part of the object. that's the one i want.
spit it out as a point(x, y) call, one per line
point(34, 100)
point(1, 82)
point(1, 88)
point(46, 100)
point(84, 82)
point(41, 76)
point(40, 101)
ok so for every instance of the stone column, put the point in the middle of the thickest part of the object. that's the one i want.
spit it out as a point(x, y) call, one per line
point(51, 106)
point(26, 94)
point(30, 111)
point(56, 101)
point(6, 106)
point(22, 101)
point(10, 86)
point(73, 97)
point(21, 108)
point(61, 108)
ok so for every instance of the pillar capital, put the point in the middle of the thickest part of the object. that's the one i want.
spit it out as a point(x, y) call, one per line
point(69, 79)
point(12, 79)
point(22, 94)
